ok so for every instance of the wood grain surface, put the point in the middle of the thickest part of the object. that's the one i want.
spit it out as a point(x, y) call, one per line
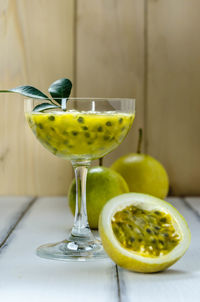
point(12, 211)
point(173, 91)
point(37, 47)
point(24, 276)
point(47, 280)
point(110, 56)
point(148, 49)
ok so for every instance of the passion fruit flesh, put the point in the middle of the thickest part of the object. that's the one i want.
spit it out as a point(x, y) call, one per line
point(115, 227)
point(150, 233)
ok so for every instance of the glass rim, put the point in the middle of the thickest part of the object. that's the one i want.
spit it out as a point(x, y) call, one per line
point(82, 98)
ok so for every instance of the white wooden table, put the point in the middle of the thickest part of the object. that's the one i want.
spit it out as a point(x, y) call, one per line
point(26, 223)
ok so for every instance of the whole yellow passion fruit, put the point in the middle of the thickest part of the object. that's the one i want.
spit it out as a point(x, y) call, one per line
point(143, 173)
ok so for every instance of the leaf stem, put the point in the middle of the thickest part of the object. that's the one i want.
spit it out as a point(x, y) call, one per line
point(64, 104)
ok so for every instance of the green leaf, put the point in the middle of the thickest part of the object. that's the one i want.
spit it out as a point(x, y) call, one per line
point(60, 89)
point(44, 106)
point(29, 91)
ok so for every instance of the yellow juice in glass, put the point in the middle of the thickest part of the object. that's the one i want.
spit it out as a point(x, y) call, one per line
point(80, 135)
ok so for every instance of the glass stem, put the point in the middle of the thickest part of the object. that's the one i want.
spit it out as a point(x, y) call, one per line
point(81, 227)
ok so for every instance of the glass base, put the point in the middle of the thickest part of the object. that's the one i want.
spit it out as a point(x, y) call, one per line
point(68, 250)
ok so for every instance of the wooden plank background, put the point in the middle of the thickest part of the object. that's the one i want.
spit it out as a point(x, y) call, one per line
point(148, 49)
point(173, 91)
point(37, 47)
point(110, 56)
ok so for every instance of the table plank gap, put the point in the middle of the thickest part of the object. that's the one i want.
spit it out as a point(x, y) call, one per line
point(16, 219)
point(122, 285)
point(118, 284)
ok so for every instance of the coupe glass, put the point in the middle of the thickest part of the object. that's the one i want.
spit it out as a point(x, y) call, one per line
point(82, 130)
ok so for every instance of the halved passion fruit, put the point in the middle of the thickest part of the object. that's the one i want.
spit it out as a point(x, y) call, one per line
point(143, 233)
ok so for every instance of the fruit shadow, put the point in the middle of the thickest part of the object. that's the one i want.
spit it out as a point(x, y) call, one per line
point(174, 272)
point(169, 274)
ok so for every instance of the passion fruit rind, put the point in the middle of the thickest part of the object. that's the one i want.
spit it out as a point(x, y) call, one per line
point(130, 259)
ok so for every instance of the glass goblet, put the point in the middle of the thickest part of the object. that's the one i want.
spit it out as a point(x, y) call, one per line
point(84, 130)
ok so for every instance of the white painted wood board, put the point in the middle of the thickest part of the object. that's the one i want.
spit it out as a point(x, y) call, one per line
point(11, 209)
point(194, 202)
point(24, 276)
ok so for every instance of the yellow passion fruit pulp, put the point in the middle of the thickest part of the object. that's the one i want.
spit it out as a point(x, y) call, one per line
point(151, 233)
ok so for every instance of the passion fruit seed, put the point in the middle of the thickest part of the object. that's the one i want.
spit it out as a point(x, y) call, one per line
point(163, 219)
point(120, 120)
point(85, 128)
point(87, 134)
point(159, 238)
point(100, 129)
point(148, 231)
point(80, 120)
point(109, 124)
point(40, 126)
point(51, 118)
point(75, 133)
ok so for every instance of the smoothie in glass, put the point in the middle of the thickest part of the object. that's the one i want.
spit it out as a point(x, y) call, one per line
point(81, 135)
